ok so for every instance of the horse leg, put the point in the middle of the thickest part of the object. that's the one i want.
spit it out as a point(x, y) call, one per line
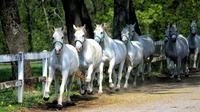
point(115, 77)
point(48, 84)
point(195, 58)
point(56, 88)
point(62, 87)
point(110, 70)
point(100, 77)
point(82, 86)
point(149, 64)
point(121, 66)
point(90, 84)
point(141, 70)
point(89, 73)
point(127, 75)
point(69, 85)
point(179, 68)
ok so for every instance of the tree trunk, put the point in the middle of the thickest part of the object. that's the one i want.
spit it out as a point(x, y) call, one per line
point(29, 24)
point(14, 36)
point(76, 13)
point(132, 18)
point(124, 13)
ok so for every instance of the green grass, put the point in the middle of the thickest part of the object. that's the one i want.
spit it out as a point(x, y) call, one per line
point(8, 97)
point(8, 100)
point(6, 71)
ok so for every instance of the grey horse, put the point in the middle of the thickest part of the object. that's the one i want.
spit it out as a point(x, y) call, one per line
point(194, 44)
point(148, 46)
point(176, 50)
point(134, 56)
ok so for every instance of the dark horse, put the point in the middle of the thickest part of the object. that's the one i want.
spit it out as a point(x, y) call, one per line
point(194, 44)
point(176, 51)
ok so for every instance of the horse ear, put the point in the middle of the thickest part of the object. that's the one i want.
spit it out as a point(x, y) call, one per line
point(74, 26)
point(174, 25)
point(84, 26)
point(52, 28)
point(134, 25)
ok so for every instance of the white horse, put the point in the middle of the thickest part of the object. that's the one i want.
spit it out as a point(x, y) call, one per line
point(63, 57)
point(134, 57)
point(90, 55)
point(114, 51)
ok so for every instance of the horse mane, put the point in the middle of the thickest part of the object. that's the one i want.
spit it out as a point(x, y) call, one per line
point(106, 30)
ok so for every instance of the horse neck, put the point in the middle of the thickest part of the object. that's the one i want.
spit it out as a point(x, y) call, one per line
point(107, 40)
point(171, 45)
point(136, 37)
point(128, 44)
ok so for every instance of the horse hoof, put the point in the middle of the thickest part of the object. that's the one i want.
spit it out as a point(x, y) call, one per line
point(125, 86)
point(45, 98)
point(83, 92)
point(90, 93)
point(111, 85)
point(134, 85)
point(178, 79)
point(88, 80)
point(172, 76)
point(100, 92)
point(118, 87)
point(59, 106)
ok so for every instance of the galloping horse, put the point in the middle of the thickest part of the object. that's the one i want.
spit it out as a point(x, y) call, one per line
point(176, 50)
point(194, 44)
point(90, 55)
point(63, 57)
point(148, 46)
point(135, 55)
point(114, 51)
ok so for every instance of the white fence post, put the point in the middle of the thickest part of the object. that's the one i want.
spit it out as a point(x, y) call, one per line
point(20, 76)
point(44, 70)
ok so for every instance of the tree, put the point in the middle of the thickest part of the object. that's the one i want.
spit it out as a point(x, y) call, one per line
point(76, 13)
point(124, 13)
point(14, 36)
point(29, 24)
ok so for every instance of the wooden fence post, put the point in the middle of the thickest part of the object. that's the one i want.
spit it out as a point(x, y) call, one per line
point(20, 76)
point(44, 71)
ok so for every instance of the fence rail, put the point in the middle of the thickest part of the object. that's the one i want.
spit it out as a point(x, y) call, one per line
point(20, 57)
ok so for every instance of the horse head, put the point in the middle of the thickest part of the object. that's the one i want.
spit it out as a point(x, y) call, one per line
point(126, 34)
point(171, 32)
point(58, 39)
point(133, 31)
point(99, 33)
point(80, 37)
point(193, 28)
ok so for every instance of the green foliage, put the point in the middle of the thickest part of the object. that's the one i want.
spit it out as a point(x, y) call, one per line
point(153, 16)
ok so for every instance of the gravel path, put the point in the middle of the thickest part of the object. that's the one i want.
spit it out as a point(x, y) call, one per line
point(164, 96)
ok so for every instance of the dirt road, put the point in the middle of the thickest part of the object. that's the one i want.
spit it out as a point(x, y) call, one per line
point(162, 96)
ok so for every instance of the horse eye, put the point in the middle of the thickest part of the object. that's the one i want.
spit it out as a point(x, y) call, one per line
point(62, 37)
point(101, 32)
point(83, 35)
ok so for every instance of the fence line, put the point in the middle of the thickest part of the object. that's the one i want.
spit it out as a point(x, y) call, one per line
point(21, 57)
